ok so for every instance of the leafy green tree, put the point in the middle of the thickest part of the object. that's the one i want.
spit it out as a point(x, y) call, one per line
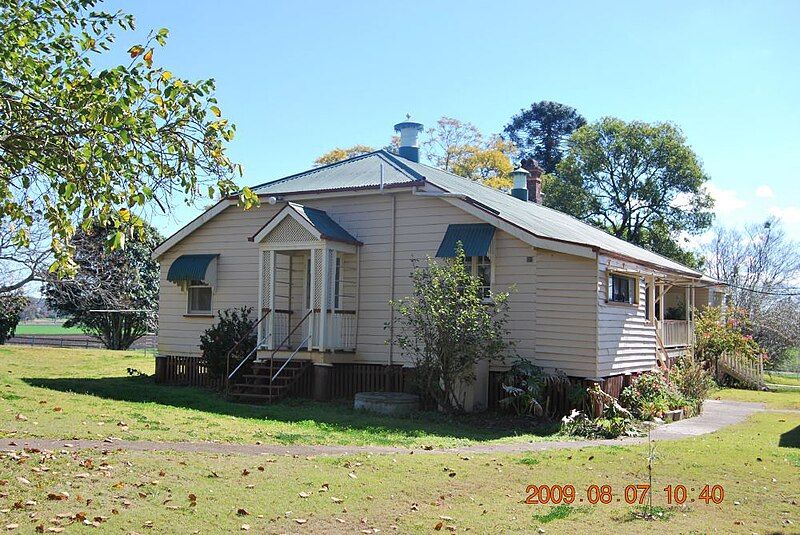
point(113, 295)
point(445, 327)
point(77, 140)
point(459, 147)
point(541, 132)
point(11, 306)
point(640, 182)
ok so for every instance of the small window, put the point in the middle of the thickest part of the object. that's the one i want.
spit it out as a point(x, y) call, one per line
point(481, 267)
point(622, 289)
point(199, 298)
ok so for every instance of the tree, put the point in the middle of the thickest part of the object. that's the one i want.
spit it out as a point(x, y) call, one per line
point(459, 147)
point(445, 327)
point(640, 182)
point(337, 154)
point(541, 132)
point(11, 306)
point(114, 293)
point(98, 143)
point(20, 264)
point(761, 266)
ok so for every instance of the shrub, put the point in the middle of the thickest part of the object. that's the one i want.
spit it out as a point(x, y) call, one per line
point(524, 385)
point(650, 395)
point(717, 333)
point(446, 326)
point(233, 325)
point(693, 381)
point(11, 305)
point(614, 420)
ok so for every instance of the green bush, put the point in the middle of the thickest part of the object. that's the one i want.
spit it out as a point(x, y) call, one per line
point(693, 381)
point(215, 343)
point(578, 424)
point(650, 395)
point(11, 305)
point(524, 385)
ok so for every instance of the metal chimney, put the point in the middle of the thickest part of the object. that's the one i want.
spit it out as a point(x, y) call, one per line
point(409, 134)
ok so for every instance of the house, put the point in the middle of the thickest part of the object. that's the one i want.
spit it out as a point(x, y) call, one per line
point(328, 248)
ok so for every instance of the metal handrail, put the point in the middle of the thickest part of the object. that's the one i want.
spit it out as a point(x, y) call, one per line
point(241, 363)
point(267, 312)
point(288, 336)
point(289, 359)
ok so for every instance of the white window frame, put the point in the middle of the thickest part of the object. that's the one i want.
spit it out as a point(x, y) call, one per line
point(634, 292)
point(473, 270)
point(194, 285)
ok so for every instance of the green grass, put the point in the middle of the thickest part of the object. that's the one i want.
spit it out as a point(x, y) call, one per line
point(776, 398)
point(94, 393)
point(49, 329)
point(783, 378)
point(149, 492)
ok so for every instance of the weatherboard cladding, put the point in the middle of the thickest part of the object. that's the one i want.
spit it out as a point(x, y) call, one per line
point(365, 171)
point(190, 267)
point(474, 238)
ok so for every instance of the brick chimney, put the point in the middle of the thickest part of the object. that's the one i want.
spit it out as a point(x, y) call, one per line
point(534, 180)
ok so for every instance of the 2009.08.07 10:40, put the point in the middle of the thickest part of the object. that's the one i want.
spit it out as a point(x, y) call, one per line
point(633, 494)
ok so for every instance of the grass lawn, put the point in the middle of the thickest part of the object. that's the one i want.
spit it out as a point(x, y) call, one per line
point(51, 329)
point(93, 393)
point(776, 398)
point(783, 378)
point(756, 462)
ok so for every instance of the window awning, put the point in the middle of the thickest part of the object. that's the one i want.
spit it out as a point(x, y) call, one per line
point(189, 267)
point(475, 239)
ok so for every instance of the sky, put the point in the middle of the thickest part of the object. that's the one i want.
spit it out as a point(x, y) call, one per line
point(300, 78)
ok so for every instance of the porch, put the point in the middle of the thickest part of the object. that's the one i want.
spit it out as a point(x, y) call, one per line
point(308, 290)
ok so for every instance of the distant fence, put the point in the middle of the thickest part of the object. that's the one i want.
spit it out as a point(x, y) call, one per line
point(75, 341)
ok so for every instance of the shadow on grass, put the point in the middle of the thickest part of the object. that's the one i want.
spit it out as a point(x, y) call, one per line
point(336, 416)
point(790, 439)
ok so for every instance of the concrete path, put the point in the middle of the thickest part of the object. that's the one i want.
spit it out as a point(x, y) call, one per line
point(716, 415)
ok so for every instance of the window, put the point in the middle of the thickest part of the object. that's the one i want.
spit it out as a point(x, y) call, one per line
point(622, 289)
point(199, 298)
point(481, 267)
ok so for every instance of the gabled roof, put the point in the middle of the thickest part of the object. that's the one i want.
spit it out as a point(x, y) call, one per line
point(381, 168)
point(317, 222)
point(542, 221)
point(360, 172)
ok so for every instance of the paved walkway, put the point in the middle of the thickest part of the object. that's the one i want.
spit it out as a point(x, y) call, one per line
point(716, 415)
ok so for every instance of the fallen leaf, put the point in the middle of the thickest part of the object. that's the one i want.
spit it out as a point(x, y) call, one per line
point(242, 512)
point(245, 527)
point(300, 520)
point(334, 499)
point(438, 526)
point(352, 475)
point(58, 409)
point(245, 472)
point(304, 495)
point(21, 417)
point(9, 527)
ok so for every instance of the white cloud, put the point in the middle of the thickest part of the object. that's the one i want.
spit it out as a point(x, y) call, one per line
point(696, 242)
point(789, 215)
point(727, 200)
point(765, 192)
point(683, 200)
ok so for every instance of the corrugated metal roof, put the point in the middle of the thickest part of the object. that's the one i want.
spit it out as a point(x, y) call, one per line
point(327, 227)
point(190, 267)
point(542, 221)
point(475, 238)
point(365, 171)
point(359, 172)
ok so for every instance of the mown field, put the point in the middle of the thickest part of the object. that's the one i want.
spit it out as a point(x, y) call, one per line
point(89, 394)
point(45, 328)
point(93, 392)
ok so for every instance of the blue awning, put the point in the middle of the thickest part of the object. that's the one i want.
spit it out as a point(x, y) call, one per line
point(191, 267)
point(475, 239)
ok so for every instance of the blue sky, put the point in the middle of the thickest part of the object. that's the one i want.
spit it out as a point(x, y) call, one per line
point(299, 78)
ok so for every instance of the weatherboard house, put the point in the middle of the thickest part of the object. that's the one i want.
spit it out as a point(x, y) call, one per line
point(327, 249)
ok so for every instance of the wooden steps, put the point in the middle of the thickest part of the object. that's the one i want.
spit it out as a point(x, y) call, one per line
point(254, 386)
